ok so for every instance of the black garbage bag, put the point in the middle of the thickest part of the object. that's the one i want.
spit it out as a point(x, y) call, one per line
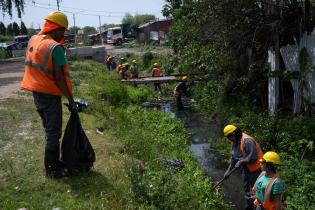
point(76, 151)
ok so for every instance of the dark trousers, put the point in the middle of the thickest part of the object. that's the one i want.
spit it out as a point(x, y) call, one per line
point(179, 102)
point(249, 179)
point(157, 86)
point(50, 110)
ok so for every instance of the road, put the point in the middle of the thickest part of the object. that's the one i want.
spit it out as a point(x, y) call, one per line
point(12, 70)
point(11, 74)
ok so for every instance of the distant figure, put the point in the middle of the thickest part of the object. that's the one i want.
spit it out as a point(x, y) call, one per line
point(156, 72)
point(179, 91)
point(120, 66)
point(110, 63)
point(134, 69)
point(123, 70)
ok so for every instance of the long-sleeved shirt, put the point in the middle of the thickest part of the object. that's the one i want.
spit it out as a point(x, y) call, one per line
point(250, 150)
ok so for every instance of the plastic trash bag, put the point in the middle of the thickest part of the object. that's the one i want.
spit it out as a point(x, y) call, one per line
point(76, 151)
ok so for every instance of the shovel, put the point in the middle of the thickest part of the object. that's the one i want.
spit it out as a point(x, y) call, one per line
point(220, 182)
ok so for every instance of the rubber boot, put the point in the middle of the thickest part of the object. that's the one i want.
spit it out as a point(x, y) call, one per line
point(52, 164)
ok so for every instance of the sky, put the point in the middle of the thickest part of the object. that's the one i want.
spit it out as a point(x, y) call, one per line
point(86, 12)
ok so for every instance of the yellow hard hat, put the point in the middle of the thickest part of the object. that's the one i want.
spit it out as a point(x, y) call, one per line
point(229, 129)
point(155, 64)
point(184, 78)
point(126, 64)
point(271, 157)
point(59, 18)
point(134, 61)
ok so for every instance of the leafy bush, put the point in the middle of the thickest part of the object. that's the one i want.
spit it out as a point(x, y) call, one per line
point(147, 59)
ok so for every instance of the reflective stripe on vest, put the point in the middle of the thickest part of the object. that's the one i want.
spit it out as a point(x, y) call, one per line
point(39, 67)
point(252, 167)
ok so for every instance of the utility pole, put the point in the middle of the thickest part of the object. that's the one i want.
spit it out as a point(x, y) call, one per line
point(75, 31)
point(58, 4)
point(101, 36)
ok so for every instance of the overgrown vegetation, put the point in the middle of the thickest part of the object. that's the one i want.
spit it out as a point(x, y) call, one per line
point(136, 155)
point(225, 50)
point(153, 140)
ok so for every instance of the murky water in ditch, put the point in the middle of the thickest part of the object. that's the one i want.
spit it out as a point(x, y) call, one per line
point(204, 132)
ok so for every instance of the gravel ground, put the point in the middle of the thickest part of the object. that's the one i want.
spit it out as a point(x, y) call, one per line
point(11, 74)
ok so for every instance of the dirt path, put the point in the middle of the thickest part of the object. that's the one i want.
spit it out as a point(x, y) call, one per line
point(11, 73)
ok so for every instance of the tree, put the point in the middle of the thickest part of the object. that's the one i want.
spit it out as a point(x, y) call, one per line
point(6, 6)
point(2, 29)
point(10, 30)
point(89, 30)
point(23, 29)
point(137, 20)
point(73, 30)
point(16, 29)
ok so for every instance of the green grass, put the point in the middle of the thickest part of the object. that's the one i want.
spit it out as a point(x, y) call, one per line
point(127, 174)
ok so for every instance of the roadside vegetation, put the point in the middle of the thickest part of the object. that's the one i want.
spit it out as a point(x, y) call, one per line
point(235, 89)
point(142, 158)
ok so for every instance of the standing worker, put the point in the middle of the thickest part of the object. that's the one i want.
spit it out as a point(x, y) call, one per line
point(134, 69)
point(156, 72)
point(269, 187)
point(47, 77)
point(180, 90)
point(246, 154)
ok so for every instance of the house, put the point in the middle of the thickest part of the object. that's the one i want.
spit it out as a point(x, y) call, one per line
point(155, 31)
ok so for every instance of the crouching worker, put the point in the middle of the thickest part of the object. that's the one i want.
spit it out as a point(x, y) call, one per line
point(269, 187)
point(47, 77)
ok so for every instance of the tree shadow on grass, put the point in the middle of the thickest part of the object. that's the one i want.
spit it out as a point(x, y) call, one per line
point(89, 184)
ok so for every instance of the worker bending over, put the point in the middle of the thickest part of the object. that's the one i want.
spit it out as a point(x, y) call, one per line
point(268, 188)
point(246, 154)
point(180, 90)
point(47, 77)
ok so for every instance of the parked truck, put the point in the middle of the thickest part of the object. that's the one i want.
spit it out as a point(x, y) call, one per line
point(120, 34)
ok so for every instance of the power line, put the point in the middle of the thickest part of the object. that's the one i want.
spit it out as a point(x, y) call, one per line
point(93, 11)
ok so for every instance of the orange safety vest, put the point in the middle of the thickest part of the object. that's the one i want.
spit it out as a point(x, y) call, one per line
point(156, 72)
point(252, 167)
point(38, 74)
point(267, 203)
point(122, 73)
point(118, 68)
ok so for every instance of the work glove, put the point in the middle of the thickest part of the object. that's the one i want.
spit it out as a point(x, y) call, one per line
point(226, 175)
point(73, 107)
point(238, 164)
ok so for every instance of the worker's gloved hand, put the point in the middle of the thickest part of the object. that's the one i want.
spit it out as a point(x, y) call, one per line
point(73, 107)
point(226, 175)
point(238, 164)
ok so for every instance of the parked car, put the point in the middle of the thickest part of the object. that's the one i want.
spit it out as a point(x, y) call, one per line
point(13, 49)
point(22, 39)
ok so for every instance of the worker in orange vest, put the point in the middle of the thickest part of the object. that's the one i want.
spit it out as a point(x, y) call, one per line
point(120, 66)
point(268, 188)
point(47, 77)
point(156, 72)
point(123, 70)
point(246, 154)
